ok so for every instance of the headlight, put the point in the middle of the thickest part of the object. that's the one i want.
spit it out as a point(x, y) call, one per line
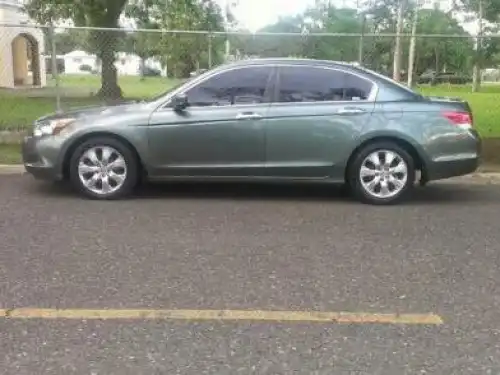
point(52, 127)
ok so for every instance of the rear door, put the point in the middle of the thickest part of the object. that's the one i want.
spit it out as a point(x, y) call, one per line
point(317, 116)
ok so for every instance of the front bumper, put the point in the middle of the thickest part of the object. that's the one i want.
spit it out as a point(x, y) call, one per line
point(40, 158)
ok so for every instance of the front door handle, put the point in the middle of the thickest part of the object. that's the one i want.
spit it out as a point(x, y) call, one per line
point(350, 111)
point(248, 116)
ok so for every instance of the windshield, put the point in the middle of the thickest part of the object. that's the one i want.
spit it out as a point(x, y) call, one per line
point(170, 89)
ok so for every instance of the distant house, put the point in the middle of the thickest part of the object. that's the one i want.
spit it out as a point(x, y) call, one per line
point(80, 62)
point(490, 75)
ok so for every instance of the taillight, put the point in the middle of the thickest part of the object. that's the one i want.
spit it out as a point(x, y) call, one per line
point(461, 119)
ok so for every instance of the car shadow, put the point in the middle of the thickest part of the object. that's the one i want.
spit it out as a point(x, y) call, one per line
point(437, 193)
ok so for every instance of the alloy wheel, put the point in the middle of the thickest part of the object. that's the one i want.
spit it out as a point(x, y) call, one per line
point(102, 170)
point(383, 174)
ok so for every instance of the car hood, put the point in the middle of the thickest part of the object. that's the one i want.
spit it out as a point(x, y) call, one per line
point(105, 110)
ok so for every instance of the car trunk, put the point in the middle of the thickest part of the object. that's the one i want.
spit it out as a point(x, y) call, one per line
point(450, 102)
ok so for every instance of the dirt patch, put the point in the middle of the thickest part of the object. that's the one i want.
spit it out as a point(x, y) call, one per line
point(491, 151)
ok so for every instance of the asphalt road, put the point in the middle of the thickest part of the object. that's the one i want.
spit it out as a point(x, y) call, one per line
point(250, 247)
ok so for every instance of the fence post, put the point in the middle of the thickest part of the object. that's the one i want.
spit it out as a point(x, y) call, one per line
point(55, 72)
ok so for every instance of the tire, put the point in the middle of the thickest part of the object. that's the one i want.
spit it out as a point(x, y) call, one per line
point(399, 183)
point(122, 178)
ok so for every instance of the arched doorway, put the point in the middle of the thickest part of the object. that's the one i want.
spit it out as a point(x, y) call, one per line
point(26, 60)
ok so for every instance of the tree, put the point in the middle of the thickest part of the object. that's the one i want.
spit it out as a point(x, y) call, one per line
point(103, 14)
point(322, 18)
point(145, 44)
point(440, 54)
point(186, 51)
point(481, 11)
point(334, 20)
point(69, 40)
point(272, 45)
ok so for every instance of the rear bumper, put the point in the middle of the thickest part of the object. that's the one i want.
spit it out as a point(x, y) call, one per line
point(458, 164)
point(39, 159)
point(452, 168)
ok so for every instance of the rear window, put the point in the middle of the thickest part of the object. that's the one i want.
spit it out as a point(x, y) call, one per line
point(391, 81)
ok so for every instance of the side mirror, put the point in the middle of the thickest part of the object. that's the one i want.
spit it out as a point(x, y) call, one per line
point(180, 102)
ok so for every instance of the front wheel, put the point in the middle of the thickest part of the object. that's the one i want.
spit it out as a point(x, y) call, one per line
point(382, 173)
point(104, 168)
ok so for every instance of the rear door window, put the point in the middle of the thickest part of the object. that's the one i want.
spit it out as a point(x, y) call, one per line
point(316, 84)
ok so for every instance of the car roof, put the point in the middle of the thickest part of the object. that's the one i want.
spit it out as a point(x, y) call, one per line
point(354, 67)
point(292, 61)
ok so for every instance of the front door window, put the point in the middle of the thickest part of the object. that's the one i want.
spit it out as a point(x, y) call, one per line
point(246, 85)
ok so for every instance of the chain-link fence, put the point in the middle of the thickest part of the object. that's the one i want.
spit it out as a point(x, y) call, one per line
point(45, 70)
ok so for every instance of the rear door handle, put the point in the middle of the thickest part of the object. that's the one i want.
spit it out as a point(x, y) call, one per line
point(350, 111)
point(248, 116)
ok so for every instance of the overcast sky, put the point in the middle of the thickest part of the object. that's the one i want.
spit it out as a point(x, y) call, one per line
point(255, 14)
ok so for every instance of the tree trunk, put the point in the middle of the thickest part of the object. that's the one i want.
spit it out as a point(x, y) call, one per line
point(398, 46)
point(109, 78)
point(476, 78)
point(143, 68)
point(436, 60)
point(413, 46)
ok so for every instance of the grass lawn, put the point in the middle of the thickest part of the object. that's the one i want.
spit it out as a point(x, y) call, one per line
point(19, 108)
point(485, 107)
point(132, 86)
point(10, 154)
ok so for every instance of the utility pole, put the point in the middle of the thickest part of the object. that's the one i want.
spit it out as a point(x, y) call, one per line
point(396, 74)
point(210, 51)
point(228, 43)
point(362, 35)
point(476, 73)
point(361, 39)
point(413, 45)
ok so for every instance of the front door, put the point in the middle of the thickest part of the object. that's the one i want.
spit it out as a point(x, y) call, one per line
point(221, 133)
point(316, 118)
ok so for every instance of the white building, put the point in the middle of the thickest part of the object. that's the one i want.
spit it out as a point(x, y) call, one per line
point(21, 48)
point(80, 62)
point(130, 64)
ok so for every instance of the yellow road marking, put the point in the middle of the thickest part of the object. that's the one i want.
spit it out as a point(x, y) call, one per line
point(249, 315)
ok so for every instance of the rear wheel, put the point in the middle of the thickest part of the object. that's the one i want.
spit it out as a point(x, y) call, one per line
point(382, 173)
point(104, 168)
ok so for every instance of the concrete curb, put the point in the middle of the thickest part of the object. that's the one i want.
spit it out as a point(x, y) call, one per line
point(484, 178)
point(481, 178)
point(12, 169)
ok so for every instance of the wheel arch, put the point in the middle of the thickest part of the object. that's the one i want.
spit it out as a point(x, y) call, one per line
point(65, 160)
point(409, 146)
